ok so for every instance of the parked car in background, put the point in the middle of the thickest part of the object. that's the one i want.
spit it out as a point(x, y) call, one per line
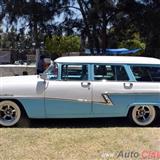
point(85, 87)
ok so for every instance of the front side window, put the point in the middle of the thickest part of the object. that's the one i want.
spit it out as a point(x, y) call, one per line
point(110, 72)
point(75, 72)
point(52, 71)
point(146, 73)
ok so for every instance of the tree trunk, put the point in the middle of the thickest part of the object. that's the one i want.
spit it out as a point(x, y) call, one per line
point(96, 40)
point(104, 33)
point(87, 28)
point(152, 45)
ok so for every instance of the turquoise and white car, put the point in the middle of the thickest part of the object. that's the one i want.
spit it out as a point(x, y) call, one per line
point(85, 87)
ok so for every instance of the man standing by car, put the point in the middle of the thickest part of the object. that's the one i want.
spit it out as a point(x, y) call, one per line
point(41, 65)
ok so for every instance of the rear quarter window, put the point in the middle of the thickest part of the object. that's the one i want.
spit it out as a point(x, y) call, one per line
point(146, 73)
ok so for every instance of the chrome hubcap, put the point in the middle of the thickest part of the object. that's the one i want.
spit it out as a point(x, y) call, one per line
point(7, 113)
point(143, 113)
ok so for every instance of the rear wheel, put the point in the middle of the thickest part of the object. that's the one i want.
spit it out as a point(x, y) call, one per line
point(10, 113)
point(143, 115)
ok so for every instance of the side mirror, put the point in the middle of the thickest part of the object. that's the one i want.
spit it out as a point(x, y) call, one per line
point(43, 76)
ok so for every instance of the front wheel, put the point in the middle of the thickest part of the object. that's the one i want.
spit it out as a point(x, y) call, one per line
point(10, 113)
point(143, 115)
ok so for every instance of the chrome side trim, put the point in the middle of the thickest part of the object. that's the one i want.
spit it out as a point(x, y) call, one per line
point(107, 99)
point(132, 93)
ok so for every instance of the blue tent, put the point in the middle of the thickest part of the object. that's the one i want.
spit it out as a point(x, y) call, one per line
point(120, 51)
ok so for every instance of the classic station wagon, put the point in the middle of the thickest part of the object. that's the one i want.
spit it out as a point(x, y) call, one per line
point(85, 87)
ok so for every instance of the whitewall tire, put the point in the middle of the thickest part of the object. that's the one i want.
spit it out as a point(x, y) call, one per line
point(143, 115)
point(10, 113)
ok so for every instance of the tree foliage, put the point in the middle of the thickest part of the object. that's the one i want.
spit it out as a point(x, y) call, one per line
point(63, 44)
point(100, 24)
point(97, 16)
point(145, 16)
point(35, 16)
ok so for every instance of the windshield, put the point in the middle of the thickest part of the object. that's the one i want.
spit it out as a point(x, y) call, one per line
point(52, 71)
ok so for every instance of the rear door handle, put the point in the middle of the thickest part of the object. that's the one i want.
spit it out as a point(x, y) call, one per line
point(85, 84)
point(128, 85)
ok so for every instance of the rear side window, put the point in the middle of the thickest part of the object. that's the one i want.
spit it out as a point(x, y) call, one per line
point(148, 74)
point(110, 72)
point(74, 72)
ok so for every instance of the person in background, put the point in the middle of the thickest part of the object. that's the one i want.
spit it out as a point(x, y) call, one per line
point(47, 62)
point(41, 65)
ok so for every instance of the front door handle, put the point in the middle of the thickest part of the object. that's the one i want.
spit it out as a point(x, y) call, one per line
point(85, 84)
point(128, 85)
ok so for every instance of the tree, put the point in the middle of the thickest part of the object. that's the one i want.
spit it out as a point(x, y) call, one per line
point(34, 14)
point(62, 44)
point(145, 16)
point(102, 23)
point(97, 16)
point(36, 18)
point(133, 44)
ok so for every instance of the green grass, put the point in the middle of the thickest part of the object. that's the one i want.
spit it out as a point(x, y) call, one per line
point(75, 143)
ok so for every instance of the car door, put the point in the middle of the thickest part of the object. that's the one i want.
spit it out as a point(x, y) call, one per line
point(111, 88)
point(70, 95)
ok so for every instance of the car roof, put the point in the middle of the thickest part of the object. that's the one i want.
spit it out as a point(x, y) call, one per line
point(108, 59)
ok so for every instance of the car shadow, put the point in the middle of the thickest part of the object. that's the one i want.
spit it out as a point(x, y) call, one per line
point(84, 123)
